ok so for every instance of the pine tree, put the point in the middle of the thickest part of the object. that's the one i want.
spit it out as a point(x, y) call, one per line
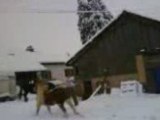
point(92, 18)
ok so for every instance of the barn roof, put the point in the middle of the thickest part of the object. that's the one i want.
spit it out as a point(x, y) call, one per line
point(124, 14)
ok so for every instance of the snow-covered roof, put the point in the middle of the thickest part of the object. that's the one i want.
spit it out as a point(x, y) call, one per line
point(19, 62)
point(49, 58)
point(27, 61)
point(100, 31)
point(39, 57)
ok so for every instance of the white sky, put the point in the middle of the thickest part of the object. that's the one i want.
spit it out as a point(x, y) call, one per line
point(25, 22)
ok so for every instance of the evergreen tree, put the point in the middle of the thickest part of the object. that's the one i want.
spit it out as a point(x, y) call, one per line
point(93, 16)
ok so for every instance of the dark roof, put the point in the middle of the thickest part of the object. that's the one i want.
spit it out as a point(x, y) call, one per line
point(124, 14)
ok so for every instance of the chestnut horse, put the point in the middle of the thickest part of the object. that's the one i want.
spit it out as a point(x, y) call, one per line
point(56, 95)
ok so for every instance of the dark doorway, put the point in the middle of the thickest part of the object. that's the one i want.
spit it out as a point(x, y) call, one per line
point(87, 89)
point(156, 74)
point(25, 76)
point(153, 80)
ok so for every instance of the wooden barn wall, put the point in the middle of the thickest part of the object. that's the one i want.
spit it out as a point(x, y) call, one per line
point(116, 48)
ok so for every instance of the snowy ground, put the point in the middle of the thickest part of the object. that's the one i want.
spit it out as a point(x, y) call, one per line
point(103, 107)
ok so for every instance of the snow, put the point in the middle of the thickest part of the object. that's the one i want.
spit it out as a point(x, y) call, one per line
point(103, 107)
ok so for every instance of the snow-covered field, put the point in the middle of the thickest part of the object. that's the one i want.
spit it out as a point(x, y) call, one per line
point(102, 107)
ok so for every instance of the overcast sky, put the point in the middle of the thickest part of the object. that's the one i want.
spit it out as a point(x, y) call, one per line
point(35, 22)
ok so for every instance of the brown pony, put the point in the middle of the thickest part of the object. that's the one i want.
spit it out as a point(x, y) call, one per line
point(58, 95)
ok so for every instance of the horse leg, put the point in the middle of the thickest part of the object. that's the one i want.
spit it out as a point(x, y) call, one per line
point(74, 97)
point(69, 102)
point(38, 108)
point(25, 95)
point(20, 93)
point(63, 109)
point(49, 109)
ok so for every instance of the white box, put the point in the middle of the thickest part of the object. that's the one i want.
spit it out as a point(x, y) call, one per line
point(130, 87)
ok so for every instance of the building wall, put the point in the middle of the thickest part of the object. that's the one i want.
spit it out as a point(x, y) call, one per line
point(57, 71)
point(4, 86)
point(8, 86)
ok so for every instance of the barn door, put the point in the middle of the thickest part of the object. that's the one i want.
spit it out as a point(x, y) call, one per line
point(156, 73)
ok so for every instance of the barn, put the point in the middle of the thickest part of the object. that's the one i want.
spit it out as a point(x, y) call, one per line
point(128, 48)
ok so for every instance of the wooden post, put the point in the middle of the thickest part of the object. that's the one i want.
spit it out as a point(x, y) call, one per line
point(95, 92)
point(141, 68)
